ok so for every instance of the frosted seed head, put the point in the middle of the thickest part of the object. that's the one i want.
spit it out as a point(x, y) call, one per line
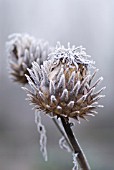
point(22, 50)
point(65, 83)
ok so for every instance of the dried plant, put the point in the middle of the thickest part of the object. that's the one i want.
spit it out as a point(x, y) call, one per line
point(61, 87)
point(22, 50)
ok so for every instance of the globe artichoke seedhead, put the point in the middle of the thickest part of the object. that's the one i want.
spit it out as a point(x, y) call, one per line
point(22, 50)
point(62, 86)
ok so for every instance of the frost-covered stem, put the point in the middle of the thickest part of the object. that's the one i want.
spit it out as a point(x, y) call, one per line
point(62, 132)
point(43, 138)
point(76, 147)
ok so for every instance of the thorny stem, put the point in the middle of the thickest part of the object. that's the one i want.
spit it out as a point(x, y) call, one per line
point(76, 147)
point(62, 132)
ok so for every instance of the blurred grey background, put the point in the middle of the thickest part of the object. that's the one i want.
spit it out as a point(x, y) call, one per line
point(82, 22)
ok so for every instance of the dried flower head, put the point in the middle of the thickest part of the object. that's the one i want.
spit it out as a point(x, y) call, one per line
point(62, 86)
point(22, 50)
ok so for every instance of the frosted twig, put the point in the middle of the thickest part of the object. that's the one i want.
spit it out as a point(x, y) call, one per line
point(43, 137)
point(75, 167)
point(63, 144)
point(60, 128)
point(82, 161)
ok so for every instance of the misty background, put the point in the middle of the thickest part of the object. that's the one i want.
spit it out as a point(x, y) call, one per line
point(82, 22)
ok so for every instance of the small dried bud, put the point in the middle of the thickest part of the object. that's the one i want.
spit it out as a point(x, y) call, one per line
point(62, 86)
point(22, 50)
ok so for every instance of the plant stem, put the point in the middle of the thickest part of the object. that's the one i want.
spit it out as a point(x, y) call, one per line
point(62, 132)
point(75, 145)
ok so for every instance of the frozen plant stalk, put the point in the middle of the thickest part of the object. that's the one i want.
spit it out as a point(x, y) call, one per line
point(62, 87)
